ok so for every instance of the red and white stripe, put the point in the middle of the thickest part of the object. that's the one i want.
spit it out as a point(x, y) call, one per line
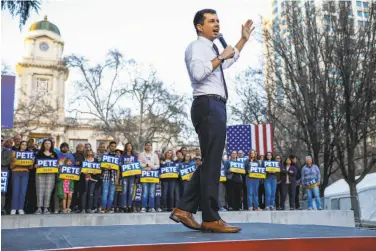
point(262, 138)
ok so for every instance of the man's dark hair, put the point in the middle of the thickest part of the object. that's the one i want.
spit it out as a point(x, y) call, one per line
point(64, 144)
point(148, 142)
point(200, 17)
point(112, 142)
point(179, 151)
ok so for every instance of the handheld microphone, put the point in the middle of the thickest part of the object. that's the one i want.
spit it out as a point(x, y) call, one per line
point(222, 40)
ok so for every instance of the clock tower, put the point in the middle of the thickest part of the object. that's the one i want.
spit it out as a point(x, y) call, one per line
point(42, 72)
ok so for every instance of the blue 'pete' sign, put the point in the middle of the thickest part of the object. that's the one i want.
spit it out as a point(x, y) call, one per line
point(187, 171)
point(110, 162)
point(47, 166)
point(131, 169)
point(150, 176)
point(24, 158)
point(91, 167)
point(70, 173)
point(4, 181)
point(272, 166)
point(170, 171)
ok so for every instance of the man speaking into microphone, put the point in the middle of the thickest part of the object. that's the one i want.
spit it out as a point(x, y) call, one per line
point(208, 113)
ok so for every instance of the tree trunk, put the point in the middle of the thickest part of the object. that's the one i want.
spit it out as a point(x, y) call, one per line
point(354, 201)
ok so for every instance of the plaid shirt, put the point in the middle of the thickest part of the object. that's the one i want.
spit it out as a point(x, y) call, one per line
point(109, 176)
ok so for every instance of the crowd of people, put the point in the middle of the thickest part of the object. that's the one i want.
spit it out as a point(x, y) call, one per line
point(157, 187)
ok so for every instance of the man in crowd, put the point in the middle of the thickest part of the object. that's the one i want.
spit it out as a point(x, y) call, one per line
point(17, 141)
point(78, 157)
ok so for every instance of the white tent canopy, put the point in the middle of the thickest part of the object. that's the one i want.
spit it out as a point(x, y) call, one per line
point(340, 187)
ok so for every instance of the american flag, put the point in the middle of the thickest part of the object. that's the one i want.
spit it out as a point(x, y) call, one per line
point(248, 137)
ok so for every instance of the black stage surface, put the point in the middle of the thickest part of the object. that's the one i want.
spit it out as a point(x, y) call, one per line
point(68, 237)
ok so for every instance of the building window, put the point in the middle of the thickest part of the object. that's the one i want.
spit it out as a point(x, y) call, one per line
point(42, 85)
point(358, 3)
point(366, 23)
point(361, 23)
point(366, 14)
point(350, 12)
point(365, 5)
point(360, 13)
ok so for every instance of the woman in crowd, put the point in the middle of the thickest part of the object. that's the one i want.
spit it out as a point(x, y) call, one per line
point(20, 178)
point(278, 194)
point(65, 189)
point(91, 180)
point(270, 184)
point(252, 183)
point(168, 184)
point(129, 157)
point(234, 185)
point(288, 182)
point(261, 190)
point(45, 182)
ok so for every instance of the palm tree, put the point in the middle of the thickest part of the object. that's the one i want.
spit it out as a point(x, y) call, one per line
point(21, 8)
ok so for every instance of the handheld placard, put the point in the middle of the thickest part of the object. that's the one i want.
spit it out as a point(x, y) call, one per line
point(4, 181)
point(131, 169)
point(257, 172)
point(70, 173)
point(47, 166)
point(24, 158)
point(311, 184)
point(110, 162)
point(186, 172)
point(237, 167)
point(272, 166)
point(169, 172)
point(223, 177)
point(150, 176)
point(91, 167)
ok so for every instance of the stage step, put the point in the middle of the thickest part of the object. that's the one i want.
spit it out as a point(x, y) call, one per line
point(340, 218)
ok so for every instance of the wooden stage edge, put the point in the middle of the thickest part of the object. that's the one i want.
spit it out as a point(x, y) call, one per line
point(288, 244)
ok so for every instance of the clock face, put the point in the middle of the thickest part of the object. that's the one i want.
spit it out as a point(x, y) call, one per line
point(43, 46)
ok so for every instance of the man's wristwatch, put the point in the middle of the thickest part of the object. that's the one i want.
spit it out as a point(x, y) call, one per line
point(221, 58)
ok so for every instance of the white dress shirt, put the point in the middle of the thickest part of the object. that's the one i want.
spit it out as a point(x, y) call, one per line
point(198, 57)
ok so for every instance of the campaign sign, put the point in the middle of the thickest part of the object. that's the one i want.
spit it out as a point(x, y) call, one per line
point(150, 176)
point(24, 158)
point(110, 162)
point(118, 188)
point(169, 172)
point(4, 180)
point(272, 166)
point(311, 184)
point(158, 190)
point(258, 172)
point(70, 173)
point(138, 193)
point(223, 177)
point(242, 160)
point(47, 166)
point(91, 167)
point(131, 169)
point(186, 172)
point(237, 167)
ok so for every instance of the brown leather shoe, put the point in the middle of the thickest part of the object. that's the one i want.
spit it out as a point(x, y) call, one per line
point(219, 227)
point(185, 218)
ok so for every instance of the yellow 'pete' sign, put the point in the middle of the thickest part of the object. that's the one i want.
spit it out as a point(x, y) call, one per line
point(272, 166)
point(110, 162)
point(24, 158)
point(47, 166)
point(237, 167)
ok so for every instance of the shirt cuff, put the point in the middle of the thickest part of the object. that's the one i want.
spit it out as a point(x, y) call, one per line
point(237, 54)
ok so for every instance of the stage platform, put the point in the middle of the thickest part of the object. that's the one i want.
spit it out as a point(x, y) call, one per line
point(254, 236)
point(298, 217)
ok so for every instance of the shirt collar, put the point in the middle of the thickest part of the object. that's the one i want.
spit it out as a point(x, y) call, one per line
point(206, 41)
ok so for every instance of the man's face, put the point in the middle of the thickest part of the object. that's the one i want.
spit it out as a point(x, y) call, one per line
point(210, 28)
point(112, 148)
point(294, 160)
point(8, 143)
point(17, 140)
point(64, 149)
point(309, 161)
point(102, 148)
point(198, 162)
point(148, 147)
point(179, 155)
point(80, 148)
point(30, 144)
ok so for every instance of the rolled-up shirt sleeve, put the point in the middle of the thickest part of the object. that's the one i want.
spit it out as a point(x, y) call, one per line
point(199, 66)
point(230, 61)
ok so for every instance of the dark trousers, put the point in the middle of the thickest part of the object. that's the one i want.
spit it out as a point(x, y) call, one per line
point(261, 195)
point(278, 196)
point(245, 192)
point(289, 189)
point(168, 192)
point(234, 193)
point(208, 116)
point(31, 194)
point(87, 197)
point(297, 194)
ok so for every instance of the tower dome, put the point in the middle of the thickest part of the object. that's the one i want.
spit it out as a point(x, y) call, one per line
point(45, 25)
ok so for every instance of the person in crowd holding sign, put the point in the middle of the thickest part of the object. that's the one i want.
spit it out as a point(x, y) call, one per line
point(288, 180)
point(169, 179)
point(45, 178)
point(311, 180)
point(186, 162)
point(255, 173)
point(149, 161)
point(294, 161)
point(234, 182)
point(110, 178)
point(92, 176)
point(79, 186)
point(261, 190)
point(278, 193)
point(129, 157)
point(65, 189)
point(270, 183)
point(22, 162)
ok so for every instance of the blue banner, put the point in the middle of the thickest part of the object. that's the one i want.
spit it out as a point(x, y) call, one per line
point(138, 193)
point(131, 169)
point(8, 84)
point(158, 190)
point(272, 166)
point(110, 162)
point(70, 173)
point(24, 158)
point(150, 176)
point(4, 180)
point(47, 166)
point(237, 167)
point(91, 167)
point(186, 172)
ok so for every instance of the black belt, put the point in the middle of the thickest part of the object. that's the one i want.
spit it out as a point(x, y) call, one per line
point(218, 97)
